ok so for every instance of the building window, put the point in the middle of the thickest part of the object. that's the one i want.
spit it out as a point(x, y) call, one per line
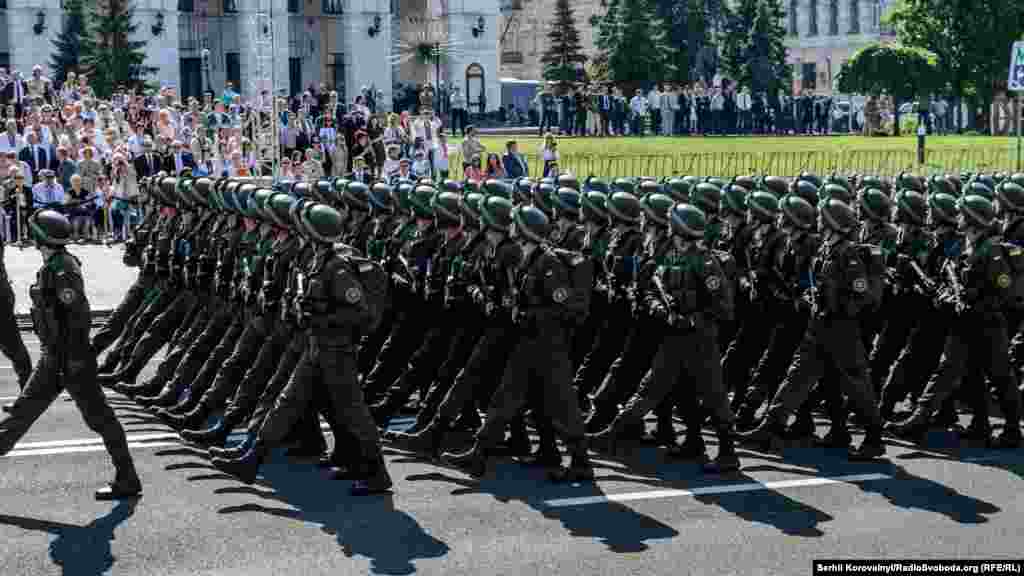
point(294, 76)
point(812, 13)
point(230, 6)
point(294, 6)
point(186, 6)
point(336, 68)
point(3, 4)
point(794, 29)
point(475, 95)
point(854, 16)
point(833, 17)
point(191, 77)
point(808, 76)
point(233, 69)
point(5, 60)
point(333, 6)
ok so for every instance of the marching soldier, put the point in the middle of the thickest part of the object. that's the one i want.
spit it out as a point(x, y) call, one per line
point(61, 317)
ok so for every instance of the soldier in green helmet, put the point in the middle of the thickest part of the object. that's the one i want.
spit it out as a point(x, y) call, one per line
point(333, 310)
point(61, 319)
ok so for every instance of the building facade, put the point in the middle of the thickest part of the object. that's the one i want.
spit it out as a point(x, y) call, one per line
point(823, 34)
point(284, 45)
point(524, 29)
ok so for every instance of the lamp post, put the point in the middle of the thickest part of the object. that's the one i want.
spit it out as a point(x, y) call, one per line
point(206, 68)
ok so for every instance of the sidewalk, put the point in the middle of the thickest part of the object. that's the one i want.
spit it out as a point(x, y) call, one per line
point(107, 279)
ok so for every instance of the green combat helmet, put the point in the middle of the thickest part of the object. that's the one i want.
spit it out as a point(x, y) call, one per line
point(798, 212)
point(875, 205)
point(649, 187)
point(911, 208)
point(978, 187)
point(530, 223)
point(764, 207)
point(542, 198)
point(568, 181)
point(596, 185)
point(357, 197)
point(734, 200)
point(566, 203)
point(778, 186)
point(471, 206)
point(687, 221)
point(749, 182)
point(943, 208)
point(594, 208)
point(807, 191)
point(978, 211)
point(496, 213)
point(624, 185)
point(401, 195)
point(493, 187)
point(323, 223)
point(450, 185)
point(1018, 179)
point(279, 208)
point(838, 216)
point(524, 191)
point(49, 228)
point(836, 192)
point(421, 200)
point(260, 199)
point(447, 209)
point(1011, 196)
point(624, 208)
point(679, 189)
point(941, 185)
point(656, 208)
point(381, 199)
point(471, 186)
point(707, 197)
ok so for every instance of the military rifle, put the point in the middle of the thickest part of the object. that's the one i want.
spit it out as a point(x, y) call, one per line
point(670, 304)
point(299, 303)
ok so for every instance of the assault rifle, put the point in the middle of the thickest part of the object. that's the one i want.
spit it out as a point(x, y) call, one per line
point(670, 305)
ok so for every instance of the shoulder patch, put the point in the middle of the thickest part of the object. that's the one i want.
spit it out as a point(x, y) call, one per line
point(353, 295)
point(67, 296)
point(1016, 252)
point(1003, 281)
point(560, 295)
point(713, 283)
point(549, 273)
point(860, 285)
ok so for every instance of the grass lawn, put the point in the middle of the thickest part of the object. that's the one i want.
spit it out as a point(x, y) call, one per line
point(728, 156)
point(706, 145)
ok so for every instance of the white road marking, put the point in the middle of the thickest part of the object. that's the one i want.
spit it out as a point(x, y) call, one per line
point(155, 440)
point(708, 490)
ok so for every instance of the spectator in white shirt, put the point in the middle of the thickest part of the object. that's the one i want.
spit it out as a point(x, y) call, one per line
point(637, 108)
point(654, 107)
point(48, 192)
point(11, 140)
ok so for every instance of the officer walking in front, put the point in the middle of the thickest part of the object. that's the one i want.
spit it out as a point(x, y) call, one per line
point(61, 316)
point(10, 336)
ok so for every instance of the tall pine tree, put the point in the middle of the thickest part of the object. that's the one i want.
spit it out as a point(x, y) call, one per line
point(565, 50)
point(114, 58)
point(769, 69)
point(73, 42)
point(632, 40)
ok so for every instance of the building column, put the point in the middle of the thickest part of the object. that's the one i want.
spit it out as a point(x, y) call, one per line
point(367, 58)
point(26, 48)
point(161, 51)
point(481, 49)
point(250, 35)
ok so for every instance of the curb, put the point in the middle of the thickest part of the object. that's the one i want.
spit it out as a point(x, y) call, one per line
point(99, 318)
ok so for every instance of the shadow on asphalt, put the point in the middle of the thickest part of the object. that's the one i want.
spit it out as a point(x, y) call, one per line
point(371, 526)
point(620, 528)
point(80, 550)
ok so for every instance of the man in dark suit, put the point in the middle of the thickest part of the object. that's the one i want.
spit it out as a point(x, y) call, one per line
point(604, 110)
point(180, 159)
point(515, 164)
point(38, 156)
point(149, 162)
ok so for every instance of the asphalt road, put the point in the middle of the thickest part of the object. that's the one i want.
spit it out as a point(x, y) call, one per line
point(644, 516)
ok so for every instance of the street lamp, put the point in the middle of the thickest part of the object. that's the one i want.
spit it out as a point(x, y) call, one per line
point(206, 68)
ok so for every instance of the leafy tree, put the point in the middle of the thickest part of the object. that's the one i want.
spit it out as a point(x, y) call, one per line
point(115, 59)
point(970, 40)
point(565, 50)
point(631, 39)
point(769, 69)
point(72, 43)
point(902, 72)
point(736, 41)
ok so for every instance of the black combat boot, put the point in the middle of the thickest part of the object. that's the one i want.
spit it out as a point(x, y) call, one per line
point(547, 455)
point(165, 399)
point(183, 407)
point(247, 466)
point(768, 436)
point(913, 428)
point(191, 420)
point(126, 485)
point(235, 451)
point(215, 435)
point(746, 417)
point(978, 433)
point(803, 428)
point(611, 438)
point(692, 448)
point(727, 461)
point(579, 469)
point(473, 461)
point(664, 430)
point(518, 443)
point(838, 436)
point(426, 441)
point(376, 479)
point(871, 448)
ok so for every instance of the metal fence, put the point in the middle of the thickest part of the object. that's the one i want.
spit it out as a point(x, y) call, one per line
point(727, 164)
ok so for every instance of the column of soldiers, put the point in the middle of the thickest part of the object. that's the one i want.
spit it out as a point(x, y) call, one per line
point(578, 307)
